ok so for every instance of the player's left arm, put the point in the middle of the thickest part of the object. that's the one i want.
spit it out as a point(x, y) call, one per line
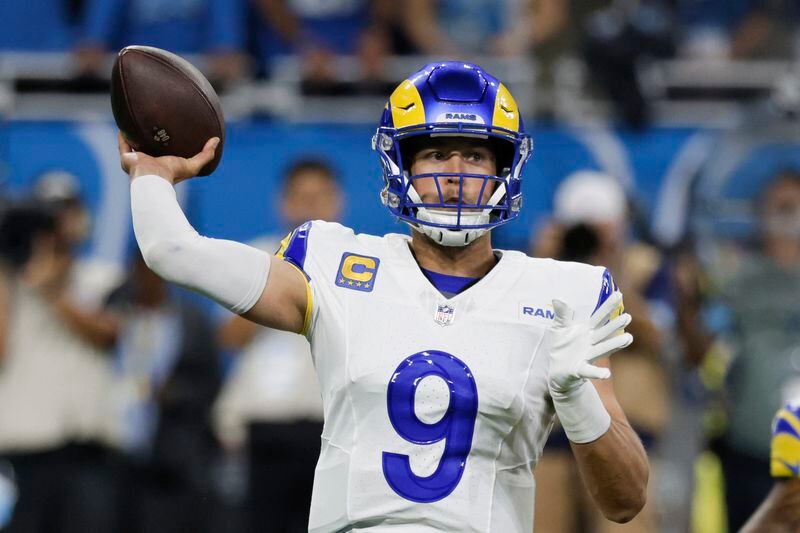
point(614, 467)
point(610, 456)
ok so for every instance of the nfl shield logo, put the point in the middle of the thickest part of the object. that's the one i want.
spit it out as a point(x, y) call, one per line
point(444, 314)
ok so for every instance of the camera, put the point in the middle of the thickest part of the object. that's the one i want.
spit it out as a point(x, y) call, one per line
point(21, 224)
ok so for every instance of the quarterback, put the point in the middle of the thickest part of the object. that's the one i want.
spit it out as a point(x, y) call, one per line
point(442, 361)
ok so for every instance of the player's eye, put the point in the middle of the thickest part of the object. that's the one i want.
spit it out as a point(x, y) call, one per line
point(476, 156)
point(438, 155)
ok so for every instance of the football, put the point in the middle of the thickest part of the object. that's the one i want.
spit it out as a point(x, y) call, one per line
point(163, 105)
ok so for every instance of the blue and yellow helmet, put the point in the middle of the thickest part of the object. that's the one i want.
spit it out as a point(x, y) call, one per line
point(785, 453)
point(452, 98)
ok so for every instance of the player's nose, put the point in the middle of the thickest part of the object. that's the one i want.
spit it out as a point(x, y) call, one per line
point(455, 163)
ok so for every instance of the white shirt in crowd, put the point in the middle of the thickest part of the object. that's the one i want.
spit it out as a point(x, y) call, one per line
point(273, 380)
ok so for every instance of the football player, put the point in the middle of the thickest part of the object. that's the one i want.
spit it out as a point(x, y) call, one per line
point(441, 360)
point(780, 512)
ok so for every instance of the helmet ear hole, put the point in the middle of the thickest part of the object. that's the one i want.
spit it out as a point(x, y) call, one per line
point(409, 148)
point(504, 155)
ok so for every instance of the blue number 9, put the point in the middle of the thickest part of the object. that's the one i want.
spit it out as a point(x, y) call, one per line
point(457, 425)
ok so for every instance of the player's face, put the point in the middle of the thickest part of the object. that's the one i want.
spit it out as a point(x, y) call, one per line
point(458, 156)
point(73, 224)
point(781, 209)
point(311, 195)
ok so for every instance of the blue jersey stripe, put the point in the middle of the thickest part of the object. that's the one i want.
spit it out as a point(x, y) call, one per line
point(606, 290)
point(294, 250)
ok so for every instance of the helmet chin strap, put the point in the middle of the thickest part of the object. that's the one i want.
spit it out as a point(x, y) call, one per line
point(449, 217)
point(450, 237)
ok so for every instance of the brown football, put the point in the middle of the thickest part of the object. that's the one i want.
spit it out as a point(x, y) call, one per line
point(163, 105)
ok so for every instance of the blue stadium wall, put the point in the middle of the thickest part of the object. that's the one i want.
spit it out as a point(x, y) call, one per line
point(238, 201)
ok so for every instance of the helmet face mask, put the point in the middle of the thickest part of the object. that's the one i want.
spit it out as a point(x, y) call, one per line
point(466, 102)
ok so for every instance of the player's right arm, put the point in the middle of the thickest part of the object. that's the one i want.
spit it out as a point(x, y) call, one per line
point(244, 279)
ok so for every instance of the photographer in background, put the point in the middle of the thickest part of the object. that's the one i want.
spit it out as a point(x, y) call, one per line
point(591, 226)
point(54, 375)
point(166, 376)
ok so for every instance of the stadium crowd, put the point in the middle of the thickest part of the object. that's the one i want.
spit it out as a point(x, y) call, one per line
point(128, 405)
point(241, 39)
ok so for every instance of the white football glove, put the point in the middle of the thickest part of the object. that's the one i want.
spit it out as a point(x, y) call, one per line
point(575, 345)
point(573, 348)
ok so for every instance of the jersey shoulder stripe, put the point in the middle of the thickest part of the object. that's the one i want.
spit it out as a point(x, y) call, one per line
point(312, 248)
point(607, 288)
point(294, 246)
point(293, 250)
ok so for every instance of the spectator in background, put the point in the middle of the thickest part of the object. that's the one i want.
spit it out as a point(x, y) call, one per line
point(739, 28)
point(271, 403)
point(458, 28)
point(24, 29)
point(708, 27)
point(212, 27)
point(591, 226)
point(615, 42)
point(318, 31)
point(759, 319)
point(769, 31)
point(167, 375)
point(54, 375)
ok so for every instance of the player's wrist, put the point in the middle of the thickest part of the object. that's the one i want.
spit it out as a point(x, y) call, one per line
point(153, 175)
point(581, 413)
point(565, 386)
point(137, 165)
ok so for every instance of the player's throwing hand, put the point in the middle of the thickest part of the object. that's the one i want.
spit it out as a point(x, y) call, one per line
point(575, 345)
point(171, 168)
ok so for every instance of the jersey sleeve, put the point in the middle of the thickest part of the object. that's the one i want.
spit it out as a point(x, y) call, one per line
point(294, 250)
point(315, 249)
point(586, 288)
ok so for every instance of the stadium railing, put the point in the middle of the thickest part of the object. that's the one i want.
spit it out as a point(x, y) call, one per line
point(684, 91)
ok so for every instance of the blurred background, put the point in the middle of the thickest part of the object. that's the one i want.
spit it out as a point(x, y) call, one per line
point(666, 148)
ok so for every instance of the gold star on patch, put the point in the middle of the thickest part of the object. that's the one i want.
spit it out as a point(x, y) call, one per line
point(366, 285)
point(358, 283)
point(341, 280)
point(349, 282)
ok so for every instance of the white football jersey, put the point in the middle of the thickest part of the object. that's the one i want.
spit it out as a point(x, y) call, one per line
point(436, 409)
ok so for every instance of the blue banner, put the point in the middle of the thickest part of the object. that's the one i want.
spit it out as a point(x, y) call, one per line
point(240, 200)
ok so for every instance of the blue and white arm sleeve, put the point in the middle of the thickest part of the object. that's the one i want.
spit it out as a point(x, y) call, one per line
point(229, 272)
